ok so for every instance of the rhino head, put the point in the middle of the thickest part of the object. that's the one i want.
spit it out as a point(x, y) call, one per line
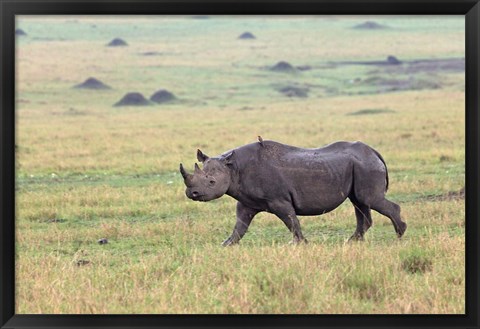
point(212, 181)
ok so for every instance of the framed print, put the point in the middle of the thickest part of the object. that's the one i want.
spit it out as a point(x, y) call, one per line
point(232, 164)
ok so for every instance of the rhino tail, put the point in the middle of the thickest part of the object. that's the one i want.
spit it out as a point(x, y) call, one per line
point(386, 169)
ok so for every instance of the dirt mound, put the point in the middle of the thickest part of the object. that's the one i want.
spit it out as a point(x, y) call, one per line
point(283, 67)
point(162, 96)
point(370, 111)
point(292, 91)
point(452, 195)
point(369, 25)
point(133, 99)
point(92, 83)
point(20, 32)
point(247, 35)
point(393, 60)
point(117, 42)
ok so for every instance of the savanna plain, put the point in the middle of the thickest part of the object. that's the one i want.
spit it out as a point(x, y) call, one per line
point(87, 170)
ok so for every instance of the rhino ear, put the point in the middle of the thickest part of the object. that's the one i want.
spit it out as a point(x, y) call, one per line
point(201, 157)
point(228, 158)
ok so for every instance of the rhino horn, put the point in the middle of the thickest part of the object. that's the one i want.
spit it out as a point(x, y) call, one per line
point(184, 173)
point(197, 169)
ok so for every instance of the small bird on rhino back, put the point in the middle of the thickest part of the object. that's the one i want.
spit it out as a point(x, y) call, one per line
point(267, 176)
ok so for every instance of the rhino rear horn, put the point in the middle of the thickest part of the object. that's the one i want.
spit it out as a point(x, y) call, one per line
point(197, 169)
point(201, 156)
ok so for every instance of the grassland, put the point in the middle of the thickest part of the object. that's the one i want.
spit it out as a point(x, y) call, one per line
point(87, 170)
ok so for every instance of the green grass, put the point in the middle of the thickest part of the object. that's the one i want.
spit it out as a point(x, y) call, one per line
point(417, 260)
point(87, 170)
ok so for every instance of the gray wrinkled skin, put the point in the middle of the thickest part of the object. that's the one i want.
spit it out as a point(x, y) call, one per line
point(288, 181)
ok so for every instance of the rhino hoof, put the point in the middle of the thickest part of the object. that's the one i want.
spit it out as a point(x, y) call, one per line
point(356, 237)
point(299, 241)
point(401, 230)
point(228, 242)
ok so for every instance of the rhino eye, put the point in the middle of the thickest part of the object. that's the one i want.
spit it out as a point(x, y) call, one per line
point(211, 182)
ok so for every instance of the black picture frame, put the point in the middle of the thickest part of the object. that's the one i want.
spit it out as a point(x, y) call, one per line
point(10, 8)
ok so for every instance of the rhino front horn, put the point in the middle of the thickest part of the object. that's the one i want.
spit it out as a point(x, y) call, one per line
point(184, 173)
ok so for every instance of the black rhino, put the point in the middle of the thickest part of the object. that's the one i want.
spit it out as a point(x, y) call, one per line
point(288, 181)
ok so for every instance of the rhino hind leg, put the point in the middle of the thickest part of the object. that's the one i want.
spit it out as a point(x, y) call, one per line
point(369, 188)
point(293, 224)
point(364, 221)
point(392, 211)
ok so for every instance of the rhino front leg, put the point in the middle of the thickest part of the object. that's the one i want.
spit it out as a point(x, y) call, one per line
point(244, 218)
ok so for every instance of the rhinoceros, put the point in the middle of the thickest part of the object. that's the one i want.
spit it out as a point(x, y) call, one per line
point(290, 181)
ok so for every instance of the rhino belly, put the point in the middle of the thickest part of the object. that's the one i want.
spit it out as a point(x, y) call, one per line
point(317, 204)
point(321, 193)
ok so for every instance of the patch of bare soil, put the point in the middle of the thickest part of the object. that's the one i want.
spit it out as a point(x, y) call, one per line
point(390, 60)
point(395, 66)
point(451, 65)
point(389, 85)
point(371, 111)
point(429, 66)
point(304, 68)
point(151, 53)
point(292, 91)
point(452, 195)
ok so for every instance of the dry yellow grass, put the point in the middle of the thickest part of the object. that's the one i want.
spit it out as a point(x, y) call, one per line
point(87, 170)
